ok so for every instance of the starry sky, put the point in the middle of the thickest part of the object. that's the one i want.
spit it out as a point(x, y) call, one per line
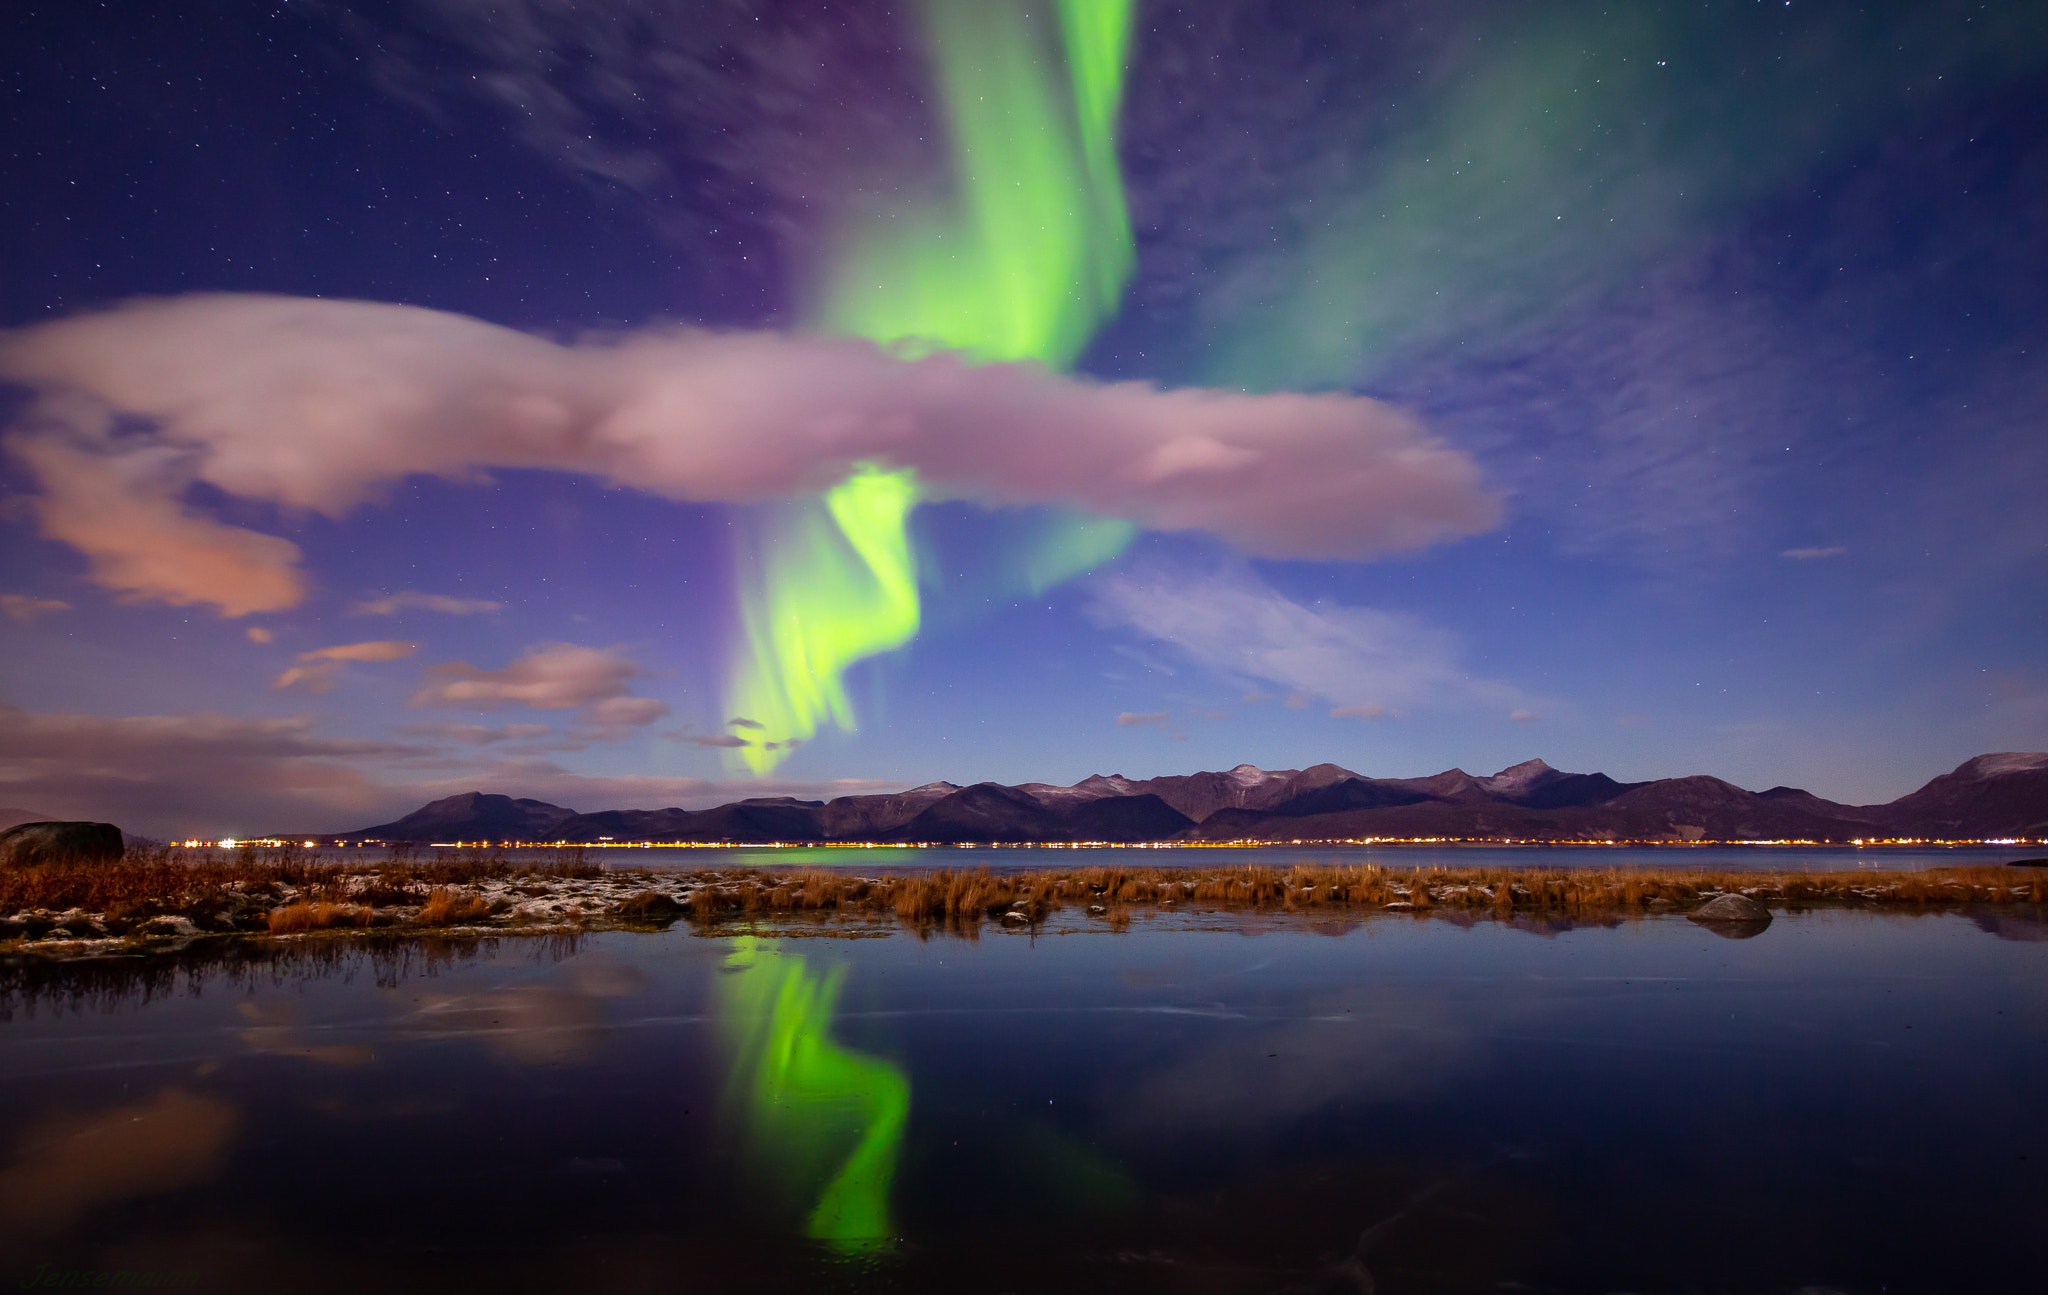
point(659, 402)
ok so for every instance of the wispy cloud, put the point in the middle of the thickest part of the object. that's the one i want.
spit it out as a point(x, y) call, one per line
point(594, 682)
point(1359, 661)
point(1370, 711)
point(24, 608)
point(322, 668)
point(1814, 555)
point(1142, 719)
point(412, 600)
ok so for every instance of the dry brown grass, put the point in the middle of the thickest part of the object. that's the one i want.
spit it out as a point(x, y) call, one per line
point(239, 889)
point(962, 900)
point(446, 907)
point(305, 916)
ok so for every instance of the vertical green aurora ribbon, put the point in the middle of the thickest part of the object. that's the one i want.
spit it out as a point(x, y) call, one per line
point(1023, 261)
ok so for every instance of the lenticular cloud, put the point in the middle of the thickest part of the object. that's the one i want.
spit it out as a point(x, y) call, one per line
point(313, 404)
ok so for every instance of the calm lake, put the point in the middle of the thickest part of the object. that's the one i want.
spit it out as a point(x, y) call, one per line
point(1205, 1103)
point(1738, 858)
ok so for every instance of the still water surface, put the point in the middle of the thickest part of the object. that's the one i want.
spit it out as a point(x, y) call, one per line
point(1206, 1103)
point(1737, 858)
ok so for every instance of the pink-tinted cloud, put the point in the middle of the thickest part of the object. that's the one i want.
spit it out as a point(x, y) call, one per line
point(372, 392)
point(1814, 554)
point(1142, 719)
point(626, 711)
point(320, 669)
point(412, 600)
point(1369, 710)
point(209, 775)
point(120, 507)
point(174, 774)
point(557, 676)
point(23, 608)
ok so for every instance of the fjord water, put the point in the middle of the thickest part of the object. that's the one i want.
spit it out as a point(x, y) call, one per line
point(1207, 1102)
point(966, 858)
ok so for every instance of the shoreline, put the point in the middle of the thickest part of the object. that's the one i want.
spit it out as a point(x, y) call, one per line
point(154, 900)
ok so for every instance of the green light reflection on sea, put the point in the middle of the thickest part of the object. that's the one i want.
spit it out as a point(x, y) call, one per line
point(822, 1120)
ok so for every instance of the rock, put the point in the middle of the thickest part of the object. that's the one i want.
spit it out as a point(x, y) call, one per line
point(33, 843)
point(168, 925)
point(1731, 908)
point(1734, 917)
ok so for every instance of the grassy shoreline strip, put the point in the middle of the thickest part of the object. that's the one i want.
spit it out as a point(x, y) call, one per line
point(284, 893)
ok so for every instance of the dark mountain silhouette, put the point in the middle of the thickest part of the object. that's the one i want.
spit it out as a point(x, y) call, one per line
point(2003, 795)
point(1993, 795)
point(475, 816)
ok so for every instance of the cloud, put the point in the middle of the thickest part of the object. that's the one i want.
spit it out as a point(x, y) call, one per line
point(1813, 555)
point(209, 775)
point(1142, 719)
point(257, 634)
point(1361, 661)
point(23, 608)
point(410, 600)
point(1523, 716)
point(1255, 696)
point(320, 669)
point(741, 721)
point(713, 739)
point(628, 712)
point(120, 507)
point(1371, 711)
point(555, 676)
point(375, 392)
point(480, 734)
point(171, 775)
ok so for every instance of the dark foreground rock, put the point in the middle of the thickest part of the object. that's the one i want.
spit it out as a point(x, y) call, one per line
point(33, 843)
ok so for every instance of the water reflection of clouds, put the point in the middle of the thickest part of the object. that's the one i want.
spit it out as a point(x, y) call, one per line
point(1361, 1045)
point(274, 1030)
point(533, 1022)
point(69, 1164)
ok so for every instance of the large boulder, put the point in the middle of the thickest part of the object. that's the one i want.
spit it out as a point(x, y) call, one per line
point(1738, 917)
point(33, 843)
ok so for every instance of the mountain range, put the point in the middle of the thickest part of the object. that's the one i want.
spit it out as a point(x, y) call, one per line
point(1992, 796)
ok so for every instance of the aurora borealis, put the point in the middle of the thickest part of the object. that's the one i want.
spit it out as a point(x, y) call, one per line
point(1021, 263)
point(658, 403)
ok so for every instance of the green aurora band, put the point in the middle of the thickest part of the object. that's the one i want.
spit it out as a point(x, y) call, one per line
point(816, 1113)
point(1582, 147)
point(1023, 262)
